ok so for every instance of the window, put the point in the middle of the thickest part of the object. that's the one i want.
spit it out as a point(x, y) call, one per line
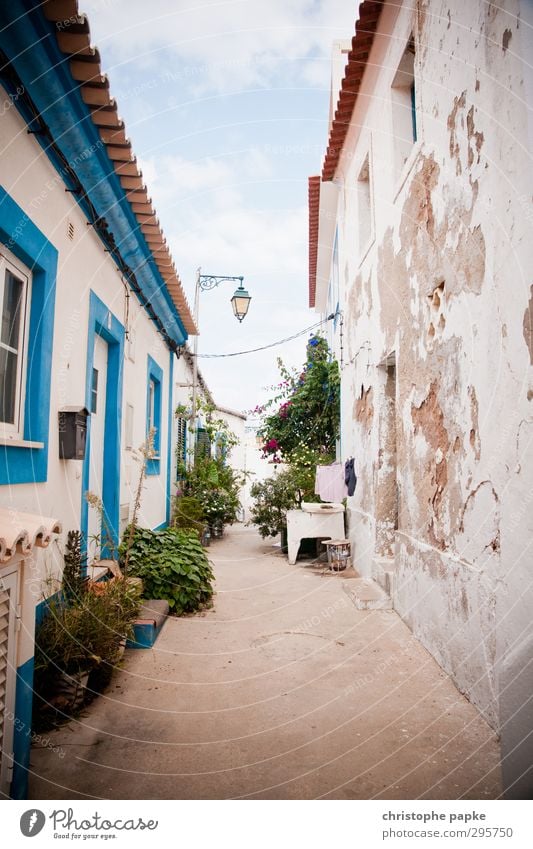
point(15, 284)
point(151, 407)
point(364, 207)
point(94, 391)
point(181, 447)
point(203, 443)
point(221, 447)
point(29, 248)
point(153, 413)
point(403, 96)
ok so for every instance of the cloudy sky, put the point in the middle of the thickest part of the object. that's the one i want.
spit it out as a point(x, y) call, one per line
point(226, 104)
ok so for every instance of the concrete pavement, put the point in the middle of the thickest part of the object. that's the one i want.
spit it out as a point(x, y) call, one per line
point(283, 690)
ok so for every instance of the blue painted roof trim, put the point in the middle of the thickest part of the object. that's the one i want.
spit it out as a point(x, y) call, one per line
point(29, 41)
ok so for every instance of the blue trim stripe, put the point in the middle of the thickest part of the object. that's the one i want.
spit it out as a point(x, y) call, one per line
point(154, 373)
point(103, 323)
point(27, 243)
point(22, 730)
point(170, 434)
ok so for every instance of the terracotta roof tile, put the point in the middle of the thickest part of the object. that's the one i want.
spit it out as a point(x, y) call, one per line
point(21, 532)
point(314, 203)
point(365, 29)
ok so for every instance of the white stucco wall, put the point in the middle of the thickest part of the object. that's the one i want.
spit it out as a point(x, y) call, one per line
point(83, 266)
point(236, 458)
point(257, 467)
point(459, 213)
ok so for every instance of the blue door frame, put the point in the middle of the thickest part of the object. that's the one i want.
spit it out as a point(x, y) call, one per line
point(103, 323)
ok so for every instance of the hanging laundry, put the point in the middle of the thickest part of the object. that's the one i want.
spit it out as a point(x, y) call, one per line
point(350, 478)
point(329, 483)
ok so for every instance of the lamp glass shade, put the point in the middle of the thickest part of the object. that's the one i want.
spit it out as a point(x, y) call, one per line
point(240, 302)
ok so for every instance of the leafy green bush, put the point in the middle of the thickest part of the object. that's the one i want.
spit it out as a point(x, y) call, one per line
point(215, 486)
point(272, 498)
point(189, 513)
point(205, 475)
point(173, 566)
point(285, 491)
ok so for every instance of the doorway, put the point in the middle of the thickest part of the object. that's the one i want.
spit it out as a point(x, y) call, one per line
point(103, 393)
point(387, 464)
point(95, 532)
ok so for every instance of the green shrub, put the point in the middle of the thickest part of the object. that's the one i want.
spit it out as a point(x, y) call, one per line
point(285, 491)
point(79, 635)
point(173, 566)
point(189, 513)
point(272, 498)
point(74, 580)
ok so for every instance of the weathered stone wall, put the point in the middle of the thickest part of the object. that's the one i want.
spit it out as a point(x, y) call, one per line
point(444, 291)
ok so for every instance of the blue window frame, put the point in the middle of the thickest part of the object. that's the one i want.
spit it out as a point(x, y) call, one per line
point(19, 463)
point(154, 401)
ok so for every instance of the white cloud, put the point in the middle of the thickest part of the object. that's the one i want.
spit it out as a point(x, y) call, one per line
point(174, 176)
point(223, 45)
point(226, 235)
point(209, 212)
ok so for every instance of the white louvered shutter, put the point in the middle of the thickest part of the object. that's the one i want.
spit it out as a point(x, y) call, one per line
point(8, 602)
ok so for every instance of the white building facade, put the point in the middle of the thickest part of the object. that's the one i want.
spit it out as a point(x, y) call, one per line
point(421, 243)
point(94, 320)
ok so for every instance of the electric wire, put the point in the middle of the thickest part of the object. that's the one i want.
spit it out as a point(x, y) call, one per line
point(265, 347)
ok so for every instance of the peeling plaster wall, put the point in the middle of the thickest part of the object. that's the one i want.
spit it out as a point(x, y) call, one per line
point(445, 285)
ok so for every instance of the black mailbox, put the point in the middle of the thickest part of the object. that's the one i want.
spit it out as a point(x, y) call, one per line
point(72, 432)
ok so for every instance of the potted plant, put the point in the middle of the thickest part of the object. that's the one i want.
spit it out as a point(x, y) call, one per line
point(80, 639)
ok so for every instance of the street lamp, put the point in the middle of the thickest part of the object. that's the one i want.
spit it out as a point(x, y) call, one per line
point(240, 303)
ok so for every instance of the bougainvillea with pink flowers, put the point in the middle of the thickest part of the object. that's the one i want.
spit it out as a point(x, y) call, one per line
point(305, 411)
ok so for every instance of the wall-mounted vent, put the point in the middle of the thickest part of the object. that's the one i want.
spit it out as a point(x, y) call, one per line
point(70, 230)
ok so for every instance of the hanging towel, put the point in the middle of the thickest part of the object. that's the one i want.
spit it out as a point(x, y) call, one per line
point(350, 478)
point(329, 483)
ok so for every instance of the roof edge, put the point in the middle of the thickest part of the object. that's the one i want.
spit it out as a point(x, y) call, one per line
point(314, 206)
point(73, 37)
point(362, 41)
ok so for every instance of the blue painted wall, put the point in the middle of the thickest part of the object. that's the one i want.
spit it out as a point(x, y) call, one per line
point(22, 737)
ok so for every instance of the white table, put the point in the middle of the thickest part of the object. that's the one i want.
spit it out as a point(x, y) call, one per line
point(313, 521)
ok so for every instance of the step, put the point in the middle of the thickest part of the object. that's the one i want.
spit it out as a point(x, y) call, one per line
point(147, 626)
point(384, 571)
point(367, 594)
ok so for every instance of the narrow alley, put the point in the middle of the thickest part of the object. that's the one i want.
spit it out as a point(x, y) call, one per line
point(283, 690)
